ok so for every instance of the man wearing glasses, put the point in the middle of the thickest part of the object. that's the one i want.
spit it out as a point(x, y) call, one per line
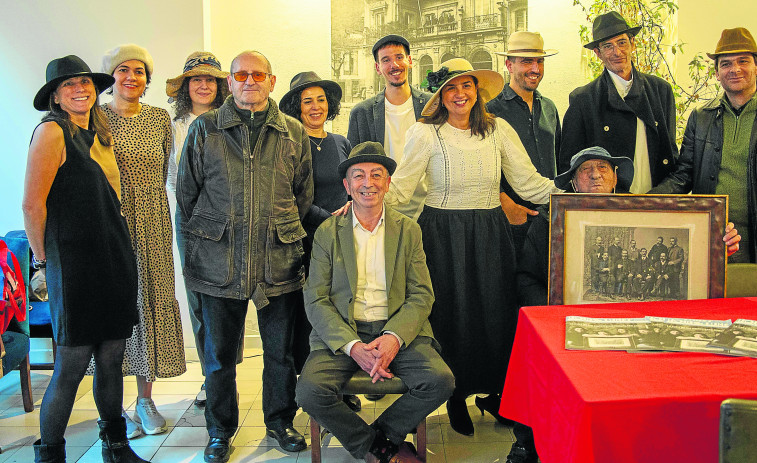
point(629, 113)
point(245, 182)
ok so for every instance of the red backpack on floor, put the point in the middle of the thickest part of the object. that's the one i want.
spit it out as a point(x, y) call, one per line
point(14, 292)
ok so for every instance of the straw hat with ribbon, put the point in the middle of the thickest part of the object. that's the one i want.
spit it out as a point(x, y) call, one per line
point(490, 83)
point(199, 63)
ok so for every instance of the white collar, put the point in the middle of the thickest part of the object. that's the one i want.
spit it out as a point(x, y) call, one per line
point(622, 85)
point(356, 222)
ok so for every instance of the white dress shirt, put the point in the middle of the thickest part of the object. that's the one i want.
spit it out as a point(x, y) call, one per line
point(371, 302)
point(397, 121)
point(642, 178)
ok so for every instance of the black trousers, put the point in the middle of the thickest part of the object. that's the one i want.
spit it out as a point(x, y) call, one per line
point(223, 323)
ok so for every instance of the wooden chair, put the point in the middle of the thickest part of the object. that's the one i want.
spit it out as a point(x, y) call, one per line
point(360, 383)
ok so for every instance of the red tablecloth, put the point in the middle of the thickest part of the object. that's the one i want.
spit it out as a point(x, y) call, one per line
point(614, 407)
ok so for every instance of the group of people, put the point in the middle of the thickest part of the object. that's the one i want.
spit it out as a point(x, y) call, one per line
point(404, 249)
point(636, 273)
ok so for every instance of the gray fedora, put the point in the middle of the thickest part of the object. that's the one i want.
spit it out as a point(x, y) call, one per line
point(623, 164)
point(368, 151)
point(609, 25)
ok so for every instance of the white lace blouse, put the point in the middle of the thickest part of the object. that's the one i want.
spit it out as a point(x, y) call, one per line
point(463, 171)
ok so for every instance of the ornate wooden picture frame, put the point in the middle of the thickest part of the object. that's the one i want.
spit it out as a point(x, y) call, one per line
point(597, 242)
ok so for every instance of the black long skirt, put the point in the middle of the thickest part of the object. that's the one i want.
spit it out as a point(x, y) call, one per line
point(471, 258)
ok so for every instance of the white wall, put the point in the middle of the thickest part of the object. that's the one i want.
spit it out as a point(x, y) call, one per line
point(558, 22)
point(35, 32)
point(295, 35)
point(700, 26)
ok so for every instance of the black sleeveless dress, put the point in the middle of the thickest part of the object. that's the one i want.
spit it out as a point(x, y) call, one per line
point(91, 269)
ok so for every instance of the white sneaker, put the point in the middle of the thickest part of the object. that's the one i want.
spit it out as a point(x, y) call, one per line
point(132, 429)
point(147, 415)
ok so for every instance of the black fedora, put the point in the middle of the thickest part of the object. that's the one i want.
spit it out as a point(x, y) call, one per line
point(64, 68)
point(609, 25)
point(307, 79)
point(368, 151)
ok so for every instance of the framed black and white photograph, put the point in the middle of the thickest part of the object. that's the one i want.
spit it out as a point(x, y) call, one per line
point(628, 248)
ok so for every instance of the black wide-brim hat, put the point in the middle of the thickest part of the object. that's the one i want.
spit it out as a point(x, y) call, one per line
point(64, 68)
point(623, 164)
point(609, 25)
point(307, 79)
point(368, 151)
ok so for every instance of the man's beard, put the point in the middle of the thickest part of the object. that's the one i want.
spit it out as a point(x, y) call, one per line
point(398, 84)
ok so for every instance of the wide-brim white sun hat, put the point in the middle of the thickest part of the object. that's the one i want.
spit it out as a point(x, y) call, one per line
point(490, 83)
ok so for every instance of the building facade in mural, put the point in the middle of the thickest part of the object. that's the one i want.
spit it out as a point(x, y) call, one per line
point(437, 30)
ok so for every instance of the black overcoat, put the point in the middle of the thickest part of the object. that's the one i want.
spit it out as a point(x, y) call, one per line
point(598, 116)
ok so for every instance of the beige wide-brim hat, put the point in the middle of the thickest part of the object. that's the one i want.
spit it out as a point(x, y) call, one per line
point(199, 63)
point(490, 83)
point(527, 45)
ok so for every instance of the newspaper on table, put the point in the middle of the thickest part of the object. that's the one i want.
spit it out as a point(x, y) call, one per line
point(739, 339)
point(586, 333)
point(690, 335)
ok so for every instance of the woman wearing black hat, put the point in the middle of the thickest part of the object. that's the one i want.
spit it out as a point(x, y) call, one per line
point(313, 101)
point(72, 216)
point(462, 151)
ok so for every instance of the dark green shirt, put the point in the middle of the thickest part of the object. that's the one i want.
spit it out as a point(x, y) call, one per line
point(539, 132)
point(737, 131)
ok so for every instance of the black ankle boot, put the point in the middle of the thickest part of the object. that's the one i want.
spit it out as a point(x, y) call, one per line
point(115, 444)
point(49, 453)
point(459, 419)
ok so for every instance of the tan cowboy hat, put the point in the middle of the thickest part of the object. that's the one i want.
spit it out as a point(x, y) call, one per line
point(199, 63)
point(737, 40)
point(527, 45)
point(490, 83)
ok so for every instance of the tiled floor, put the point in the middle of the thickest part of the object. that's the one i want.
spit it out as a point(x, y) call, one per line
point(186, 437)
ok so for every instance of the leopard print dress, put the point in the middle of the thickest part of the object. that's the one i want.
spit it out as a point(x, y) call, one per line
point(142, 144)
